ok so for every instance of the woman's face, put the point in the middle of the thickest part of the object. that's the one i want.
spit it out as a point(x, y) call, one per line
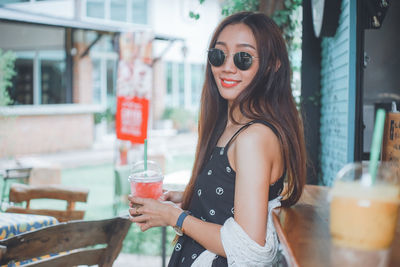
point(230, 80)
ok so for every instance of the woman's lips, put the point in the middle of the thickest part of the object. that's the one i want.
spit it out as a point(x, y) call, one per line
point(228, 83)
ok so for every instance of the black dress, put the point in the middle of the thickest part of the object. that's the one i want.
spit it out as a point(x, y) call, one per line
point(212, 201)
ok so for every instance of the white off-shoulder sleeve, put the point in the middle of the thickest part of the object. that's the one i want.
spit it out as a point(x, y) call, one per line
point(240, 249)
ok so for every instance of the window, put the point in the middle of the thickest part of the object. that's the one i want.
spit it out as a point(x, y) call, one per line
point(95, 9)
point(52, 77)
point(118, 10)
point(197, 79)
point(40, 65)
point(168, 99)
point(139, 11)
point(4, 2)
point(40, 78)
point(183, 86)
point(21, 91)
point(133, 11)
point(181, 95)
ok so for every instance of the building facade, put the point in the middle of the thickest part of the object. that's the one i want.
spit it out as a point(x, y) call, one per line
point(66, 65)
point(349, 73)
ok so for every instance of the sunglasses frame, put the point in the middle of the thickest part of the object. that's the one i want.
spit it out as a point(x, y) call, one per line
point(234, 58)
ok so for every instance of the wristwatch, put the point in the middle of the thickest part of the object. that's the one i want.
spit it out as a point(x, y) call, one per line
point(178, 227)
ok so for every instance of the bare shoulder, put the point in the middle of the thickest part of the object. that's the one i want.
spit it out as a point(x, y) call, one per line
point(258, 136)
point(257, 151)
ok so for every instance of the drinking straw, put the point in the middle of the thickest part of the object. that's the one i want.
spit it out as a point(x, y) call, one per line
point(145, 154)
point(376, 143)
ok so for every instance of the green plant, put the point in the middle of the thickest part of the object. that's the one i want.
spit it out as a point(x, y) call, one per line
point(183, 119)
point(232, 6)
point(107, 115)
point(282, 13)
point(7, 71)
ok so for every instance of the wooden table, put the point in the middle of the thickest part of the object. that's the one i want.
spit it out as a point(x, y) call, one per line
point(304, 233)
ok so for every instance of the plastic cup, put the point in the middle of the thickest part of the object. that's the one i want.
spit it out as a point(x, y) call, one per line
point(146, 183)
point(363, 216)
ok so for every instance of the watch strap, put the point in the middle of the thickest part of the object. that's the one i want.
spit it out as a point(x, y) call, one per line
point(181, 218)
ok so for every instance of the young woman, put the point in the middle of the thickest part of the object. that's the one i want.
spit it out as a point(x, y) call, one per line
point(250, 141)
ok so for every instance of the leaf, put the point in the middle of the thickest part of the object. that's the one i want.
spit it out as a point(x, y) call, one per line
point(193, 15)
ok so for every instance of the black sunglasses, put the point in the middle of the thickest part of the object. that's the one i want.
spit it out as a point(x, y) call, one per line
point(242, 60)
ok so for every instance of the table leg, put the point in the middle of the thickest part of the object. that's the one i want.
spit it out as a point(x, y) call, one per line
point(163, 240)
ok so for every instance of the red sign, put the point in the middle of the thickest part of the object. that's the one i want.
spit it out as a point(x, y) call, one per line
point(131, 118)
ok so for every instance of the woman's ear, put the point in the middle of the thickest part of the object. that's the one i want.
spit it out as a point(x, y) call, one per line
point(277, 65)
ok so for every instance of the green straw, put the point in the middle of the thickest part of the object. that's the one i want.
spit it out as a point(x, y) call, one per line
point(376, 143)
point(145, 154)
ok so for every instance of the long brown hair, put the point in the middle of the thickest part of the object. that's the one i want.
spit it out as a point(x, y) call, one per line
point(268, 97)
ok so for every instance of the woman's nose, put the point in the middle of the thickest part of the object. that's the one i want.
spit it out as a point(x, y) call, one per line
point(229, 64)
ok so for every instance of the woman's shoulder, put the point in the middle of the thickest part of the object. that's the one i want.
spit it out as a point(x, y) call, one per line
point(256, 136)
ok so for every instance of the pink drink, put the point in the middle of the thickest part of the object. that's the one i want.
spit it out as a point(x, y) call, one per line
point(146, 181)
point(146, 189)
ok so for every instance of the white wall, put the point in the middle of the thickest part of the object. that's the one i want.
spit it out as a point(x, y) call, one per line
point(172, 18)
point(55, 8)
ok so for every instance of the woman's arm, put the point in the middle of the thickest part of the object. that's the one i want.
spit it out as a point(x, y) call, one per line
point(257, 159)
point(156, 213)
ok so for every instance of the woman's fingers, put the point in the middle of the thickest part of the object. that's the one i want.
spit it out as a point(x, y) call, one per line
point(133, 211)
point(138, 200)
point(143, 226)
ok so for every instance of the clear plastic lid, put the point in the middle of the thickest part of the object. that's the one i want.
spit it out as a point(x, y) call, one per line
point(351, 182)
point(153, 172)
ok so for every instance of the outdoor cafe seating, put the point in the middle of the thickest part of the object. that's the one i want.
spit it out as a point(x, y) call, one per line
point(69, 244)
point(25, 193)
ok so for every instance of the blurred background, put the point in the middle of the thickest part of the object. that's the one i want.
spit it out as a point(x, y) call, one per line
point(60, 73)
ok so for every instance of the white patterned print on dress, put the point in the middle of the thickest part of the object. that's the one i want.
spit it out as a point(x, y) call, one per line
point(219, 191)
point(194, 256)
point(209, 172)
point(228, 170)
point(221, 152)
point(183, 259)
point(212, 212)
point(201, 217)
point(199, 192)
point(178, 247)
point(233, 210)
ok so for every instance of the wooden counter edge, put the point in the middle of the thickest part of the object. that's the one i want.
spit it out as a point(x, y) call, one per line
point(282, 238)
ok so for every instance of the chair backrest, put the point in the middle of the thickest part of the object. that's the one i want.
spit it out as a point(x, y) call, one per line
point(22, 192)
point(73, 238)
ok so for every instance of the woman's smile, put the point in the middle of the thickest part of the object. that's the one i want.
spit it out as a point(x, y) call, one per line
point(229, 83)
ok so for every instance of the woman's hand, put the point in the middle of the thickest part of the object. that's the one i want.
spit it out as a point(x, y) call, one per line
point(173, 196)
point(152, 213)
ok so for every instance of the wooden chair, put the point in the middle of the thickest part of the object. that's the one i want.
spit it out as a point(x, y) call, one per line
point(18, 174)
point(21, 192)
point(75, 237)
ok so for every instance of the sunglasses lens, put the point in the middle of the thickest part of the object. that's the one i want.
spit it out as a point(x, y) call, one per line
point(216, 57)
point(243, 60)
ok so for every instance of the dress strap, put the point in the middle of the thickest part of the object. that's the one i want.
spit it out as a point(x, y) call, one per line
point(247, 125)
point(235, 134)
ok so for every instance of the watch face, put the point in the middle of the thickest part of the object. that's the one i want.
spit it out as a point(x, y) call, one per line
point(178, 230)
point(317, 14)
